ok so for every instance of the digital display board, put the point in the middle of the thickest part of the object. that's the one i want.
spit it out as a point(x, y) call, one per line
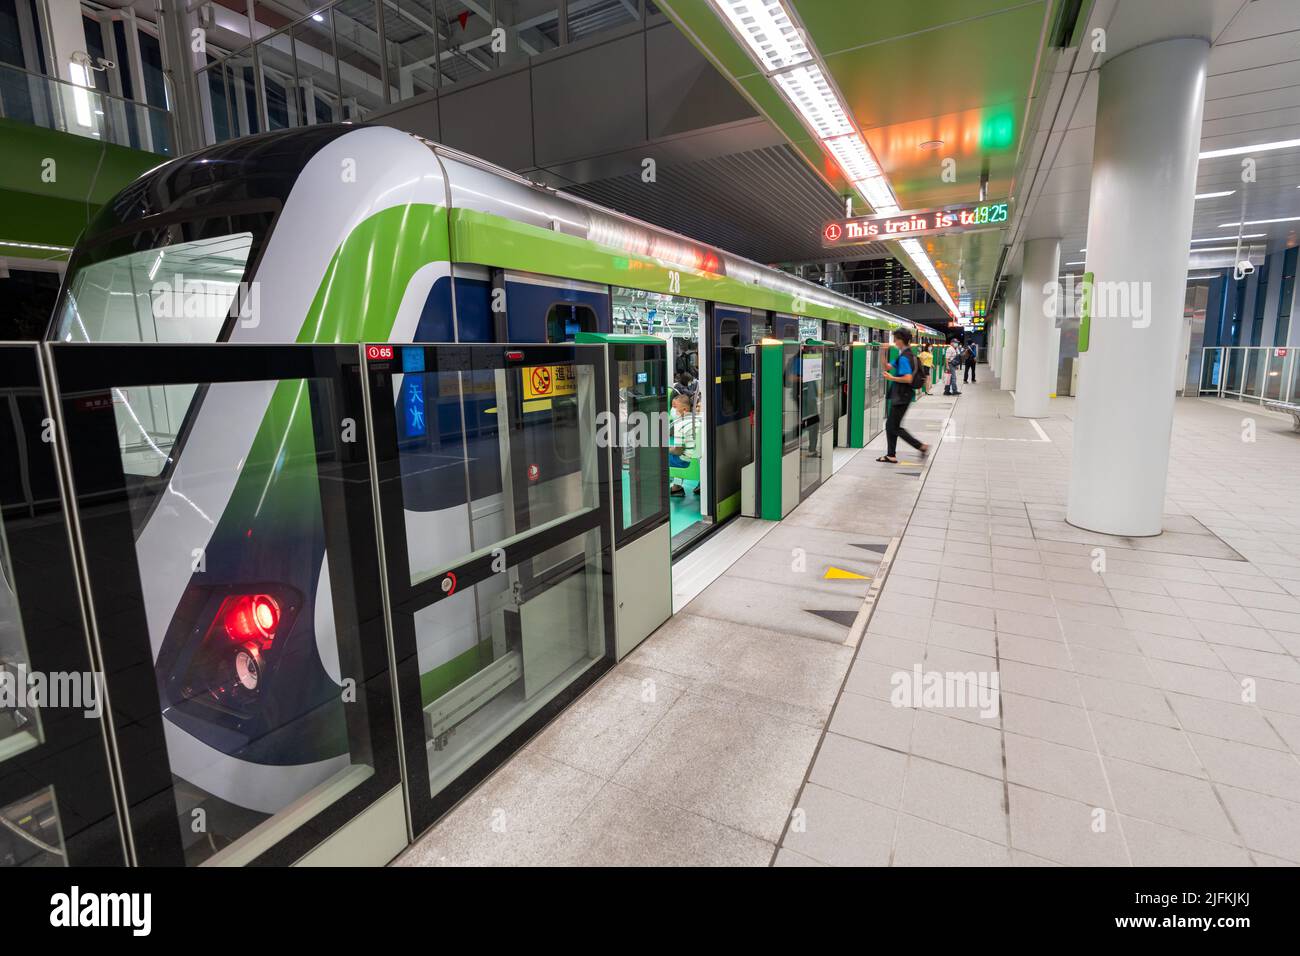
point(968, 217)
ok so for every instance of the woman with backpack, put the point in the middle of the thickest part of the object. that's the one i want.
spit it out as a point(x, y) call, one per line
point(905, 376)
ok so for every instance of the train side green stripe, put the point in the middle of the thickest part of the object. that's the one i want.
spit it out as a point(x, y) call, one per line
point(485, 239)
point(357, 301)
point(362, 289)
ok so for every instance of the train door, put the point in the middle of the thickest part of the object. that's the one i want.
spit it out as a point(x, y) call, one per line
point(732, 403)
point(683, 325)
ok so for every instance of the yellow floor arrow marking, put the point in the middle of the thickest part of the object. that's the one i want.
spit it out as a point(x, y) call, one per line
point(834, 573)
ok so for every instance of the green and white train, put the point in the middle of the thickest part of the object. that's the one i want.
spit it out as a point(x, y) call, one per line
point(344, 234)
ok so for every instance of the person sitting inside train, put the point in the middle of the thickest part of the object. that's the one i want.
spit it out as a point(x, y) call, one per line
point(683, 427)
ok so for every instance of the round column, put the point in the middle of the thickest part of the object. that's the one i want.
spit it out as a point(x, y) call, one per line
point(1011, 313)
point(1148, 133)
point(1037, 320)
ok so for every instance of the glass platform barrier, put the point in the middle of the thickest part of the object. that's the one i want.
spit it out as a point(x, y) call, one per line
point(57, 803)
point(640, 435)
point(221, 502)
point(495, 500)
point(319, 592)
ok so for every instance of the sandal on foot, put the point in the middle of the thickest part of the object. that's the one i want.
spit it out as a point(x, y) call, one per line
point(887, 460)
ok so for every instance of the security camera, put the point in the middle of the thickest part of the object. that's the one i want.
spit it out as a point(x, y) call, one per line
point(1244, 268)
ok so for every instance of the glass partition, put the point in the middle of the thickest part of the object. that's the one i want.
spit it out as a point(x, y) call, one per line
point(494, 499)
point(245, 653)
point(20, 723)
point(679, 321)
point(414, 49)
point(812, 443)
point(467, 51)
point(360, 67)
point(56, 798)
point(82, 110)
point(317, 72)
point(637, 436)
point(1259, 374)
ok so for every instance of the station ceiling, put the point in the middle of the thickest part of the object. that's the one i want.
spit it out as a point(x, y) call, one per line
point(1007, 89)
point(925, 82)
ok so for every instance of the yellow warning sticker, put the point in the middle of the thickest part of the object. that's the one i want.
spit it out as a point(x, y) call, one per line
point(548, 381)
point(834, 573)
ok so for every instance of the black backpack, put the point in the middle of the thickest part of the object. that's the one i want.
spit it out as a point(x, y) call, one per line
point(919, 372)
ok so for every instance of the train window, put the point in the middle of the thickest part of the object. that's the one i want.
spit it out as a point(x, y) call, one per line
point(729, 365)
point(176, 284)
point(179, 292)
point(564, 321)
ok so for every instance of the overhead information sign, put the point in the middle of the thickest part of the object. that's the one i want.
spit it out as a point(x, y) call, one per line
point(969, 217)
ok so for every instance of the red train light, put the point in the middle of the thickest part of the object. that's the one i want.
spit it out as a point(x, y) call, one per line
point(250, 617)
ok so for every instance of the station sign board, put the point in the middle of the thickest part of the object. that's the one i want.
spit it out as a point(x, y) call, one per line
point(967, 217)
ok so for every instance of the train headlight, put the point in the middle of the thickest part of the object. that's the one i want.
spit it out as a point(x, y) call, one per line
point(248, 667)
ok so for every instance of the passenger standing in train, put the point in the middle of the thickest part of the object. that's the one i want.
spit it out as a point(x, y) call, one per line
point(927, 361)
point(683, 446)
point(904, 376)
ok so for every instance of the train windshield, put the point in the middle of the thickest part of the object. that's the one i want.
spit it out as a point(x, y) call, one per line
point(175, 284)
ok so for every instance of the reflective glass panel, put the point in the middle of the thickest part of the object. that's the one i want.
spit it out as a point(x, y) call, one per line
point(20, 725)
point(30, 832)
point(251, 620)
point(360, 71)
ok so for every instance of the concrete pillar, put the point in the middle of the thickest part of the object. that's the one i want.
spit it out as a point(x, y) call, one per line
point(1010, 312)
point(1053, 363)
point(1148, 133)
point(1037, 318)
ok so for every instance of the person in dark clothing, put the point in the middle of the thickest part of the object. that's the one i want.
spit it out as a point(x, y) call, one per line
point(903, 379)
point(969, 374)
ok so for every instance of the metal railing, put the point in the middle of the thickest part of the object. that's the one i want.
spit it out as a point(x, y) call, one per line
point(52, 103)
point(1250, 373)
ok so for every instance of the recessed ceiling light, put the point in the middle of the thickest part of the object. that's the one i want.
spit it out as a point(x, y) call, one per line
point(931, 144)
point(1254, 148)
point(1226, 192)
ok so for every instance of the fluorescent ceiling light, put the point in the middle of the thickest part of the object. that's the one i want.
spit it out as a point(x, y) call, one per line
point(1258, 222)
point(1252, 235)
point(1212, 275)
point(781, 50)
point(806, 87)
point(855, 159)
point(1226, 192)
point(767, 29)
point(1254, 148)
point(1074, 263)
